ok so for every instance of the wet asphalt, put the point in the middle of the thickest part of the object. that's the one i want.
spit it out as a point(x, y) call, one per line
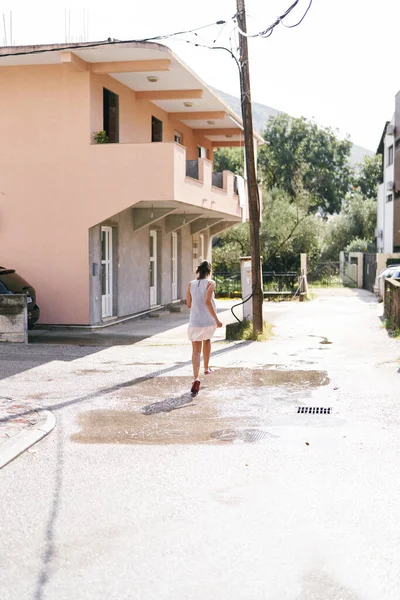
point(252, 489)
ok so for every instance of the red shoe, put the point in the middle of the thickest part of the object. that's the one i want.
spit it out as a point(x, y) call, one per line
point(195, 387)
point(208, 371)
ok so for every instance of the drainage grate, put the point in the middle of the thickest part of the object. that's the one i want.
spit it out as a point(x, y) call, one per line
point(313, 410)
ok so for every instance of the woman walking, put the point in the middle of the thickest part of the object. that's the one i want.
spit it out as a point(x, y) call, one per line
point(203, 320)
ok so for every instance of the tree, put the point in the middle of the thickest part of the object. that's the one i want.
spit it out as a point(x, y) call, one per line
point(357, 221)
point(294, 145)
point(230, 247)
point(359, 245)
point(229, 159)
point(288, 229)
point(368, 175)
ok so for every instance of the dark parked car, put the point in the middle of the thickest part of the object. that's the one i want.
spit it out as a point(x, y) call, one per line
point(12, 283)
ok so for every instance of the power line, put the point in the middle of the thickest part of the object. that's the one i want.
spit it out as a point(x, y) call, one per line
point(266, 33)
point(116, 42)
point(302, 18)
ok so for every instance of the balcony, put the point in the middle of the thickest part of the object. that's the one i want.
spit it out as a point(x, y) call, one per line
point(118, 176)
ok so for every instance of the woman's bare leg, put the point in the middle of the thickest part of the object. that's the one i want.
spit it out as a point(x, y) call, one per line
point(206, 354)
point(196, 353)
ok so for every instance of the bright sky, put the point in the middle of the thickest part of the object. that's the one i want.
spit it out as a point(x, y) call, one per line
point(339, 66)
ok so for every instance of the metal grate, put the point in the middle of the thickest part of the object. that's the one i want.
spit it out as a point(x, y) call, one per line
point(313, 410)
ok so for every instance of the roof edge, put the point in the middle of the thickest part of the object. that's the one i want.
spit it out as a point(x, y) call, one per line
point(44, 48)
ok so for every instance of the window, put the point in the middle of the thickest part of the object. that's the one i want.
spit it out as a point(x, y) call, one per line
point(201, 152)
point(156, 130)
point(389, 198)
point(111, 115)
point(390, 155)
point(178, 138)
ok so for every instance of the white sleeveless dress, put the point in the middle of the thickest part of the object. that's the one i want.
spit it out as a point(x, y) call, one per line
point(201, 324)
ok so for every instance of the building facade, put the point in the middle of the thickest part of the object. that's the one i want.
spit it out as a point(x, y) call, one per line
point(388, 210)
point(108, 194)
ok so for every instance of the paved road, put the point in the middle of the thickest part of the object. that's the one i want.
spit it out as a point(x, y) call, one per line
point(142, 493)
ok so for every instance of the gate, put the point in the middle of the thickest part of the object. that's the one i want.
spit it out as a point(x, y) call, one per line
point(325, 274)
point(369, 271)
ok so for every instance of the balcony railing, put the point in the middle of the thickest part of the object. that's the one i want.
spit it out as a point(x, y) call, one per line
point(218, 179)
point(192, 169)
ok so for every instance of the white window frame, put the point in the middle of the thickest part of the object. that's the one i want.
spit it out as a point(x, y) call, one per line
point(107, 267)
point(153, 259)
point(174, 265)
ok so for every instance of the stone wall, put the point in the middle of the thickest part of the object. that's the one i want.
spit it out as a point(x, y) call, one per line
point(392, 302)
point(13, 318)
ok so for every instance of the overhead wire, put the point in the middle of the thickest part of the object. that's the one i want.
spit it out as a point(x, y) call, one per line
point(111, 41)
point(266, 33)
point(301, 20)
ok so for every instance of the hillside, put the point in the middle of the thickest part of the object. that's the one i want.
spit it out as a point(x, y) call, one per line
point(262, 113)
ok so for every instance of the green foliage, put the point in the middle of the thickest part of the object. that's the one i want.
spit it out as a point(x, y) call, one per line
point(229, 159)
point(356, 221)
point(393, 331)
point(359, 245)
point(288, 229)
point(314, 202)
point(299, 146)
point(368, 175)
point(230, 246)
point(101, 137)
point(245, 331)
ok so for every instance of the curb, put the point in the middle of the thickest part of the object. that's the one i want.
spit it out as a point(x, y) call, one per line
point(27, 438)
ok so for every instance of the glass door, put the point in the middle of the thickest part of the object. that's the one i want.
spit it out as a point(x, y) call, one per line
point(106, 272)
point(153, 268)
point(174, 260)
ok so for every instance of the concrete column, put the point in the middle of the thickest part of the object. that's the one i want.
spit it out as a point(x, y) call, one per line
point(247, 285)
point(13, 318)
point(357, 258)
point(303, 274)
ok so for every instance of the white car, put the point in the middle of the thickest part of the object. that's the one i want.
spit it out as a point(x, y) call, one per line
point(387, 273)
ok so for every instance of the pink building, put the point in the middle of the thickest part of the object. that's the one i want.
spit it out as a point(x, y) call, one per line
point(105, 230)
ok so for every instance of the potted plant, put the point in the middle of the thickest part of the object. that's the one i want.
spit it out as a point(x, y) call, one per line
point(101, 137)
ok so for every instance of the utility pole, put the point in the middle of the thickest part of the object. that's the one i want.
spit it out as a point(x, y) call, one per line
point(252, 187)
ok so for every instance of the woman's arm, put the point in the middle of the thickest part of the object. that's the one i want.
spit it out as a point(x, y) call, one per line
point(188, 297)
point(209, 304)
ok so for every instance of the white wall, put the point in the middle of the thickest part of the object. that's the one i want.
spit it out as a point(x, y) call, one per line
point(388, 213)
point(380, 216)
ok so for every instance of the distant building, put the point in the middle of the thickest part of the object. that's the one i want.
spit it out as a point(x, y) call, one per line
point(388, 209)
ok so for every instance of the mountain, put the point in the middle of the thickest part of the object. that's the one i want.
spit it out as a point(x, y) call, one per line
point(262, 114)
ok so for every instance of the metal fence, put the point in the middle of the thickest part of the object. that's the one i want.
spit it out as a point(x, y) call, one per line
point(325, 274)
point(229, 283)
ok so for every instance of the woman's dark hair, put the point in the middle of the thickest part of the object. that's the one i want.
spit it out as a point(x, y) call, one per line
point(203, 269)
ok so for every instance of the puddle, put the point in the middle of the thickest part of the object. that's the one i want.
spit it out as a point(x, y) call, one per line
point(233, 406)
